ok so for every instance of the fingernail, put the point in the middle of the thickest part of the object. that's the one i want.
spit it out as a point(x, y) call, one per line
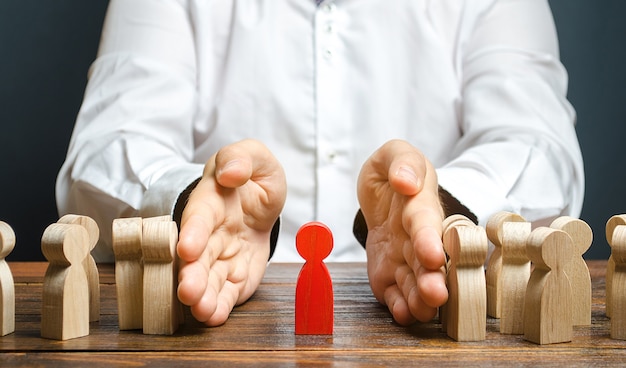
point(408, 174)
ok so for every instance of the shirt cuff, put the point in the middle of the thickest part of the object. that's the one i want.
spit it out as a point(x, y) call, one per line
point(161, 197)
point(451, 205)
point(475, 191)
point(170, 193)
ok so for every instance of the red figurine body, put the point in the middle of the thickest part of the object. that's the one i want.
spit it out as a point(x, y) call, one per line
point(314, 289)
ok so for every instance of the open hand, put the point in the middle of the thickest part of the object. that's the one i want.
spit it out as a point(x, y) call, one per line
point(224, 239)
point(398, 194)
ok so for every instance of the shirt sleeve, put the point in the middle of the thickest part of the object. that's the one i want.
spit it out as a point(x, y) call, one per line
point(132, 147)
point(519, 151)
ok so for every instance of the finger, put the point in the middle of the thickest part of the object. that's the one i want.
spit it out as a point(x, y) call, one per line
point(233, 167)
point(421, 311)
point(248, 159)
point(428, 247)
point(407, 283)
point(193, 281)
point(205, 308)
point(417, 299)
point(394, 300)
point(194, 276)
point(196, 244)
point(218, 276)
point(422, 220)
point(380, 273)
point(193, 237)
point(407, 170)
point(226, 300)
point(397, 162)
point(250, 163)
point(203, 211)
point(431, 286)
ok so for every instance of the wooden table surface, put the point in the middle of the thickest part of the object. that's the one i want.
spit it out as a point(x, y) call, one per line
point(261, 332)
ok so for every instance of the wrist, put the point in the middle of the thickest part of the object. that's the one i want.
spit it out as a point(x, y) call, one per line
point(181, 203)
point(452, 206)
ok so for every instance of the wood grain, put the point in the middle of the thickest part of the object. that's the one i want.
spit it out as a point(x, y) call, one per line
point(89, 264)
point(493, 273)
point(466, 308)
point(548, 300)
point(576, 270)
point(514, 276)
point(611, 224)
point(7, 287)
point(160, 302)
point(65, 295)
point(127, 239)
point(618, 299)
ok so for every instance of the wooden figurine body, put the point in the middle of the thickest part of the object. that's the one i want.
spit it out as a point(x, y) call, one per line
point(7, 286)
point(611, 224)
point(65, 301)
point(93, 276)
point(127, 239)
point(548, 301)
point(161, 308)
point(577, 270)
point(448, 223)
point(466, 309)
point(514, 276)
point(494, 265)
point(314, 312)
point(618, 299)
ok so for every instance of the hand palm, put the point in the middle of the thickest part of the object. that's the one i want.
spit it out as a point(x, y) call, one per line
point(226, 227)
point(397, 191)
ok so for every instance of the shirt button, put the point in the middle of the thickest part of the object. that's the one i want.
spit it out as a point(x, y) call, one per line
point(329, 7)
point(329, 28)
point(328, 54)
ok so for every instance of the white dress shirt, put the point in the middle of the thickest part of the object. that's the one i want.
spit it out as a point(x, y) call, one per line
point(477, 85)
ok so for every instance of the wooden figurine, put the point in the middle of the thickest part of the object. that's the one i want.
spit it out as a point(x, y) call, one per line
point(314, 312)
point(65, 301)
point(466, 308)
point(161, 308)
point(514, 276)
point(618, 299)
point(548, 301)
point(448, 223)
point(7, 287)
point(577, 270)
point(127, 236)
point(93, 277)
point(611, 224)
point(456, 220)
point(168, 218)
point(158, 218)
point(494, 265)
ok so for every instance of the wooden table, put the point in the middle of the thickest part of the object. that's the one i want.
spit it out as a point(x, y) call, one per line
point(261, 332)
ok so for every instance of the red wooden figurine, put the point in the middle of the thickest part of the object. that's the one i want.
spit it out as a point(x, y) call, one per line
point(314, 289)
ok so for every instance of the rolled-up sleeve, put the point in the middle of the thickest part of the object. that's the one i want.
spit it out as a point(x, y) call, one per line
point(132, 146)
point(518, 150)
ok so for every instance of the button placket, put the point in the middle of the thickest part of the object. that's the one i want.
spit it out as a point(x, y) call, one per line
point(325, 30)
point(333, 186)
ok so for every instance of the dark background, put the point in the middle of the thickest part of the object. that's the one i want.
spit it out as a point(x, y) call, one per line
point(46, 48)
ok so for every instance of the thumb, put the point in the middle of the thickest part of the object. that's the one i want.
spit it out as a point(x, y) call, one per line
point(398, 163)
point(251, 160)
